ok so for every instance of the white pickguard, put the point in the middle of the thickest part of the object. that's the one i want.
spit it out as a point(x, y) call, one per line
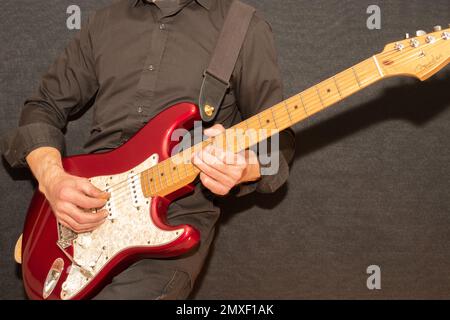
point(128, 225)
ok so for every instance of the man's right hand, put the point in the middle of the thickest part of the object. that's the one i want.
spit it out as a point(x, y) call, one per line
point(72, 198)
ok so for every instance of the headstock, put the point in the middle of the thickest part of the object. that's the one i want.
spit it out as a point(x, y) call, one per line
point(421, 56)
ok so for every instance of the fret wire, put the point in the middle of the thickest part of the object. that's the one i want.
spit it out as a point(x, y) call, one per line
point(303, 103)
point(337, 86)
point(287, 117)
point(150, 183)
point(183, 164)
point(169, 173)
point(279, 111)
point(143, 182)
point(162, 174)
point(163, 167)
point(181, 168)
point(259, 119)
point(147, 182)
point(288, 112)
point(147, 178)
point(356, 77)
point(318, 93)
point(177, 169)
point(158, 176)
point(273, 116)
point(154, 178)
point(333, 94)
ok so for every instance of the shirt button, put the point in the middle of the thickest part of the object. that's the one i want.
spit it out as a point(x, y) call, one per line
point(140, 109)
point(151, 67)
point(162, 26)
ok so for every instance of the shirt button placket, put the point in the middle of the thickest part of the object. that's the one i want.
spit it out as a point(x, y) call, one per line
point(147, 83)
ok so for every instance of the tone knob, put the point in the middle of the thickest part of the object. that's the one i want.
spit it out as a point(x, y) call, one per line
point(437, 28)
point(420, 33)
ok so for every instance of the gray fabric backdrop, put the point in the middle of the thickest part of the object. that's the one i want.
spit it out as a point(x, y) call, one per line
point(370, 183)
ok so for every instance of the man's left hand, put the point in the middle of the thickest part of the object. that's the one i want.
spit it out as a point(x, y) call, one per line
point(222, 170)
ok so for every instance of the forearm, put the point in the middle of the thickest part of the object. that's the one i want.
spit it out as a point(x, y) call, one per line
point(46, 164)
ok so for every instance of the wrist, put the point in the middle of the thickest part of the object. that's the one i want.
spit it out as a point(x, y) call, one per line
point(46, 165)
point(49, 176)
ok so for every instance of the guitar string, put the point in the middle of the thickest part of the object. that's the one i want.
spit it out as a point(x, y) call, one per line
point(343, 83)
point(307, 101)
point(194, 172)
point(395, 51)
point(280, 119)
point(114, 188)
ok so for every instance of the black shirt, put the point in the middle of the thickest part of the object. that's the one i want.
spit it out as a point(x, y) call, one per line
point(135, 58)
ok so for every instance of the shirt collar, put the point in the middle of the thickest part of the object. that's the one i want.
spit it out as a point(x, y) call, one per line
point(204, 3)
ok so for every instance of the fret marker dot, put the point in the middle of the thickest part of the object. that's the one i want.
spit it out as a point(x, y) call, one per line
point(268, 121)
point(328, 90)
point(296, 107)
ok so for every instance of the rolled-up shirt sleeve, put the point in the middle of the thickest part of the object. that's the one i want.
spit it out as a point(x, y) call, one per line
point(259, 86)
point(66, 88)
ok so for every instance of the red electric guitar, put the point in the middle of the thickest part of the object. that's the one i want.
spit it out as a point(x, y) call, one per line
point(143, 179)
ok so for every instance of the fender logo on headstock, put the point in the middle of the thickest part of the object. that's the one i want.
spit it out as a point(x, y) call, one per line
point(434, 60)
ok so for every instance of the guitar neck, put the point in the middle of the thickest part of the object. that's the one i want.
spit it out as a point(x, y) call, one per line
point(177, 171)
point(313, 100)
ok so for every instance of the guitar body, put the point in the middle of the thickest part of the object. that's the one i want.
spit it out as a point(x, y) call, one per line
point(135, 229)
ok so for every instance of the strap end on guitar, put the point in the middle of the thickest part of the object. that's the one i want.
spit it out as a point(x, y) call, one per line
point(212, 93)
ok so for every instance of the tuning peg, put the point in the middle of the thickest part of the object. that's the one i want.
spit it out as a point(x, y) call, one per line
point(437, 28)
point(406, 35)
point(420, 33)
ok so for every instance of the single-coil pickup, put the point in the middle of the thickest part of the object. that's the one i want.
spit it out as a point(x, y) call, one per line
point(134, 184)
point(109, 206)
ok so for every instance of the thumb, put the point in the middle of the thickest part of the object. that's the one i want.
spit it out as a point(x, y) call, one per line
point(215, 130)
point(92, 191)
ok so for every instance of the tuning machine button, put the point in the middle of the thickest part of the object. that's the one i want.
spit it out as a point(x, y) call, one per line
point(406, 35)
point(420, 33)
point(437, 28)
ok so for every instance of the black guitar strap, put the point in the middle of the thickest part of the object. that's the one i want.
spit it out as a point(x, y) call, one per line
point(216, 78)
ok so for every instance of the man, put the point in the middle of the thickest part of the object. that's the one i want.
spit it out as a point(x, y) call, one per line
point(132, 60)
